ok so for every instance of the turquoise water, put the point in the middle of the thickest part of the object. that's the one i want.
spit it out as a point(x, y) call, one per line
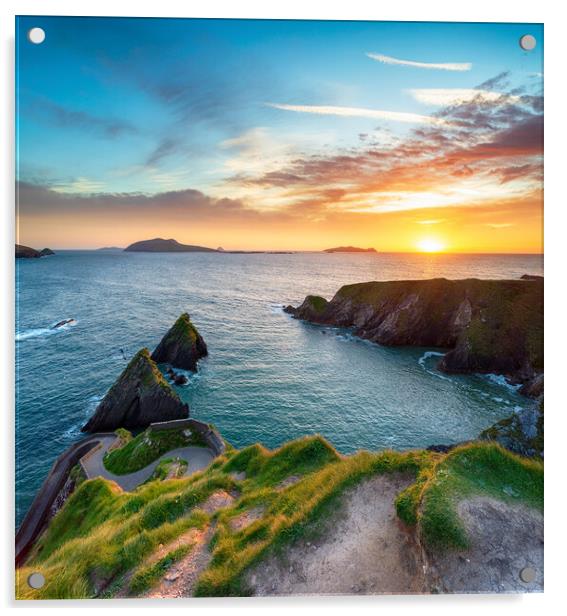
point(268, 378)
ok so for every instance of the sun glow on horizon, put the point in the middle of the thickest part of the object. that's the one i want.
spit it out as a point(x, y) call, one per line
point(430, 245)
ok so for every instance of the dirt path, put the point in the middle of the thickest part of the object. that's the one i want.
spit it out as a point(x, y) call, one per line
point(363, 549)
point(504, 539)
point(180, 580)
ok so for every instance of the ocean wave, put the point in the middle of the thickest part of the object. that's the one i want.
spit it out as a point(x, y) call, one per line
point(44, 331)
point(499, 379)
point(276, 308)
point(427, 355)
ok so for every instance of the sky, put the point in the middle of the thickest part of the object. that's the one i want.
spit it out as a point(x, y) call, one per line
point(280, 135)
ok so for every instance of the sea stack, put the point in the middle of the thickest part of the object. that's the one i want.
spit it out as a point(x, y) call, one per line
point(139, 397)
point(182, 346)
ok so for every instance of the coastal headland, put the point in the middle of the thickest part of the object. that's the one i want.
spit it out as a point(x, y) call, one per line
point(142, 520)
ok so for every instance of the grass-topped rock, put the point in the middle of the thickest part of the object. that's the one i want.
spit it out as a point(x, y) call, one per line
point(182, 346)
point(139, 397)
point(486, 325)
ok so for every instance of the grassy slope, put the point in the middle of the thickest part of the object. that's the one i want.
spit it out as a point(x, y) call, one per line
point(102, 533)
point(148, 446)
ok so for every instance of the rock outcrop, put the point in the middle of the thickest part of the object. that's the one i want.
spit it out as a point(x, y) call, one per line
point(25, 252)
point(521, 433)
point(139, 397)
point(182, 346)
point(491, 326)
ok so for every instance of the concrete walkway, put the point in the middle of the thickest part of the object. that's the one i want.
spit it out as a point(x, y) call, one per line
point(197, 458)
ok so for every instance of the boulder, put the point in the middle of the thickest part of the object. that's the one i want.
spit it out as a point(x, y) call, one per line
point(182, 346)
point(139, 397)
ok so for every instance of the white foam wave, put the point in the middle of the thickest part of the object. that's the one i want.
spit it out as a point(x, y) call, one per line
point(276, 308)
point(427, 355)
point(43, 331)
point(499, 379)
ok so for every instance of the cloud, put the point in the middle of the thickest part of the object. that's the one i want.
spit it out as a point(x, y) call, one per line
point(360, 112)
point(167, 146)
point(481, 152)
point(459, 96)
point(53, 113)
point(499, 225)
point(441, 66)
point(435, 221)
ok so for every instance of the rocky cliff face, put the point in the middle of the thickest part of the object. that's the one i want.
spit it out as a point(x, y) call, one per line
point(486, 325)
point(182, 346)
point(139, 397)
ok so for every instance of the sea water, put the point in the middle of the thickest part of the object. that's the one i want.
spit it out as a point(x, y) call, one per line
point(268, 378)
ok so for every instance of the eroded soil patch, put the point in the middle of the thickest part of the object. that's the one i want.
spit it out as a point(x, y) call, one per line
point(362, 549)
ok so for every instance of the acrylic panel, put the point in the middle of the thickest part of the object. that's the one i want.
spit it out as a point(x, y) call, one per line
point(279, 307)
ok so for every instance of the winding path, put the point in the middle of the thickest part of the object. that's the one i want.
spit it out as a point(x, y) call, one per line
point(197, 458)
point(89, 452)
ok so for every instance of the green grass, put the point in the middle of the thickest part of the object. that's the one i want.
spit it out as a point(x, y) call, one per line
point(147, 576)
point(318, 303)
point(102, 533)
point(164, 468)
point(147, 447)
point(477, 469)
point(183, 329)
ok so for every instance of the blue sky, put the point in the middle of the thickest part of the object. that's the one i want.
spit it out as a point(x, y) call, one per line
point(122, 106)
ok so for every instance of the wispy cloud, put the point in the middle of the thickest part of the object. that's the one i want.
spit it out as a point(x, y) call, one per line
point(459, 96)
point(435, 221)
point(61, 116)
point(361, 112)
point(439, 66)
point(499, 225)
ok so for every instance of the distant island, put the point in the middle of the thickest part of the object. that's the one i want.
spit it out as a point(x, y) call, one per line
point(25, 252)
point(160, 245)
point(110, 249)
point(349, 249)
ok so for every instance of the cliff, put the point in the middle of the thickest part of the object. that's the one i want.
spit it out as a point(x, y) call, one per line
point(182, 346)
point(138, 398)
point(259, 522)
point(25, 252)
point(491, 326)
point(160, 245)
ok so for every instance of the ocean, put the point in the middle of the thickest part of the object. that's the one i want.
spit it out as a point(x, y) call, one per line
point(268, 378)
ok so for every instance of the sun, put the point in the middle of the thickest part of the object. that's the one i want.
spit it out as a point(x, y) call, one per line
point(430, 245)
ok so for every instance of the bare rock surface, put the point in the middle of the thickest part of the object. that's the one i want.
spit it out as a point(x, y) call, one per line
point(504, 539)
point(139, 397)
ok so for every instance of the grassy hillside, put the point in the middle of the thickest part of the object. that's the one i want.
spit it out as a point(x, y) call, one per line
point(102, 539)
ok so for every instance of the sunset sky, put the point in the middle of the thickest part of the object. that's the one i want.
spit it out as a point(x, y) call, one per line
point(280, 135)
